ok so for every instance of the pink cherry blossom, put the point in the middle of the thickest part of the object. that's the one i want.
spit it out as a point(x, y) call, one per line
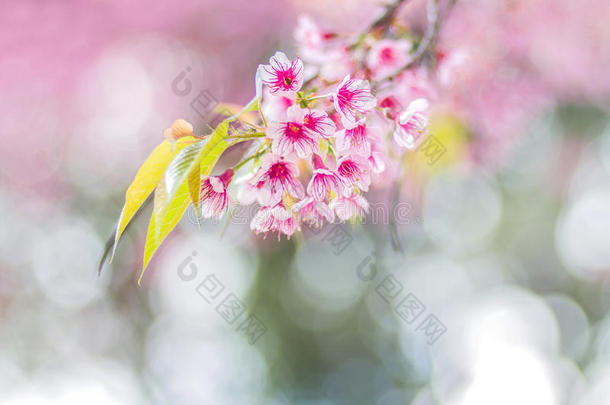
point(276, 218)
point(335, 63)
point(213, 196)
point(319, 122)
point(323, 180)
point(390, 105)
point(248, 193)
point(354, 139)
point(275, 106)
point(378, 156)
point(293, 135)
point(411, 124)
point(449, 66)
point(310, 39)
point(387, 56)
point(376, 162)
point(350, 207)
point(282, 76)
point(412, 84)
point(275, 176)
point(354, 170)
point(313, 212)
point(353, 97)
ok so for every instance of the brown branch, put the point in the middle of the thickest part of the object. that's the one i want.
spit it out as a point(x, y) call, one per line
point(430, 38)
point(428, 43)
point(382, 23)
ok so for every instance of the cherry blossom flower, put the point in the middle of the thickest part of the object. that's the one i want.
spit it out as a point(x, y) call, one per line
point(275, 106)
point(276, 218)
point(248, 192)
point(282, 76)
point(354, 139)
point(353, 97)
point(313, 212)
point(449, 66)
point(213, 196)
point(350, 207)
point(354, 170)
point(310, 39)
point(412, 84)
point(411, 124)
point(275, 176)
point(378, 156)
point(387, 56)
point(390, 106)
point(376, 162)
point(319, 122)
point(335, 63)
point(323, 180)
point(294, 135)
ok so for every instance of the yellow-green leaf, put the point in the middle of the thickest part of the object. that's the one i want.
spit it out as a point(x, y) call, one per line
point(163, 221)
point(194, 182)
point(182, 165)
point(168, 209)
point(215, 146)
point(171, 201)
point(146, 180)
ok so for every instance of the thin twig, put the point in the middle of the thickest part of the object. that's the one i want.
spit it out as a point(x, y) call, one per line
point(430, 37)
point(382, 23)
point(395, 238)
point(428, 42)
point(386, 18)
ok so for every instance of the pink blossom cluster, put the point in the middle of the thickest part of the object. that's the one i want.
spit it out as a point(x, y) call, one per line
point(326, 137)
point(534, 55)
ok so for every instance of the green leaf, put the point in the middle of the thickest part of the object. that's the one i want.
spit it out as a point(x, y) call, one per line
point(215, 146)
point(180, 168)
point(146, 180)
point(177, 188)
point(164, 220)
point(194, 182)
point(170, 206)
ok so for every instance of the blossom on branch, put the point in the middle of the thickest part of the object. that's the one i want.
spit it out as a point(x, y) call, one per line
point(313, 212)
point(275, 176)
point(411, 124)
point(350, 207)
point(213, 195)
point(323, 181)
point(293, 135)
point(352, 98)
point(319, 125)
point(281, 75)
point(272, 219)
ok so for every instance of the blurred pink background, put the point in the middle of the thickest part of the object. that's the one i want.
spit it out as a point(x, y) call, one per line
point(86, 90)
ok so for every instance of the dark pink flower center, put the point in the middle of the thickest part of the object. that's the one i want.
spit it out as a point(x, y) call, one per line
point(294, 131)
point(348, 169)
point(278, 171)
point(357, 135)
point(345, 96)
point(387, 55)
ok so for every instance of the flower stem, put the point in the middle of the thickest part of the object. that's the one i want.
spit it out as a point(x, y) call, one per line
point(246, 160)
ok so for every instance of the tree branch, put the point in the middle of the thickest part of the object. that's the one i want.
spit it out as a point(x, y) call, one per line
point(430, 38)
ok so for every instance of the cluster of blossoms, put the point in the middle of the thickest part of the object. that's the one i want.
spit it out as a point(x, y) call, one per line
point(323, 135)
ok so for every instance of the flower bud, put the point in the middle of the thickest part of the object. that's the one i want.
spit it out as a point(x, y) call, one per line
point(180, 128)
